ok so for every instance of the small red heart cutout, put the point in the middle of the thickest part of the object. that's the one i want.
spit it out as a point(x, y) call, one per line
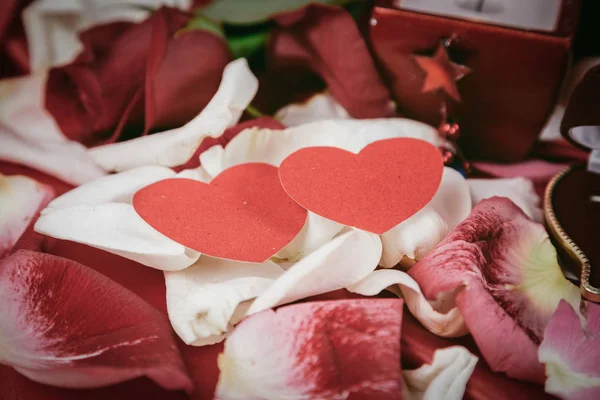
point(243, 214)
point(374, 190)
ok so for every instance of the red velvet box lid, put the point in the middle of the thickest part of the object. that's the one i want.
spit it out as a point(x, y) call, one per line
point(507, 96)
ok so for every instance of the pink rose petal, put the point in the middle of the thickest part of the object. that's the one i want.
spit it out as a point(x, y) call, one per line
point(571, 352)
point(346, 349)
point(65, 325)
point(21, 198)
point(511, 283)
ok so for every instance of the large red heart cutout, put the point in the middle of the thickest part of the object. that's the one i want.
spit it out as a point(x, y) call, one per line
point(374, 190)
point(243, 214)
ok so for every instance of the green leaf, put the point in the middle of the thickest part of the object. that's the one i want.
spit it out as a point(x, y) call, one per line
point(201, 22)
point(245, 12)
point(247, 44)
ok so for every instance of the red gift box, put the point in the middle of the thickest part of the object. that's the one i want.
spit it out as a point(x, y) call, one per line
point(508, 94)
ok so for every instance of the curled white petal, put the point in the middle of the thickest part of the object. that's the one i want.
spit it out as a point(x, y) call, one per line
point(448, 324)
point(117, 188)
point(316, 232)
point(452, 201)
point(444, 379)
point(414, 237)
point(176, 146)
point(20, 199)
point(519, 190)
point(319, 107)
point(118, 229)
point(343, 261)
point(30, 136)
point(202, 299)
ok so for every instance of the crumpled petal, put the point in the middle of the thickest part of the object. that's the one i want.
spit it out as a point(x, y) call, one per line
point(52, 26)
point(318, 350)
point(202, 299)
point(176, 146)
point(570, 350)
point(48, 333)
point(343, 261)
point(21, 198)
point(420, 233)
point(319, 107)
point(507, 266)
point(118, 229)
point(520, 190)
point(444, 379)
point(443, 322)
point(273, 146)
point(30, 136)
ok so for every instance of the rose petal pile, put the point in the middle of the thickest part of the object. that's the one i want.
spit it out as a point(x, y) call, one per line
point(467, 263)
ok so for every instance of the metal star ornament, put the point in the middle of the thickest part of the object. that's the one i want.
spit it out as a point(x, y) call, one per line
point(441, 73)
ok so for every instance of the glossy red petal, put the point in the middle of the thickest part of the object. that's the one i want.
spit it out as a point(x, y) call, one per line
point(508, 283)
point(327, 350)
point(65, 325)
point(326, 40)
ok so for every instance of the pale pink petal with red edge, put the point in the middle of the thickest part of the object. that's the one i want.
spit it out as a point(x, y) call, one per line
point(319, 107)
point(346, 349)
point(176, 146)
point(571, 352)
point(444, 379)
point(31, 137)
point(21, 198)
point(499, 261)
point(520, 190)
point(202, 300)
point(410, 240)
point(343, 261)
point(66, 325)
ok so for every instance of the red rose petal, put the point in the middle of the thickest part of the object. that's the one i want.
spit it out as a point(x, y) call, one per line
point(64, 324)
point(17, 387)
point(322, 350)
point(136, 74)
point(327, 41)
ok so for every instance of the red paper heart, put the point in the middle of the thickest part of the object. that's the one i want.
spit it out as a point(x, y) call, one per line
point(243, 214)
point(375, 190)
